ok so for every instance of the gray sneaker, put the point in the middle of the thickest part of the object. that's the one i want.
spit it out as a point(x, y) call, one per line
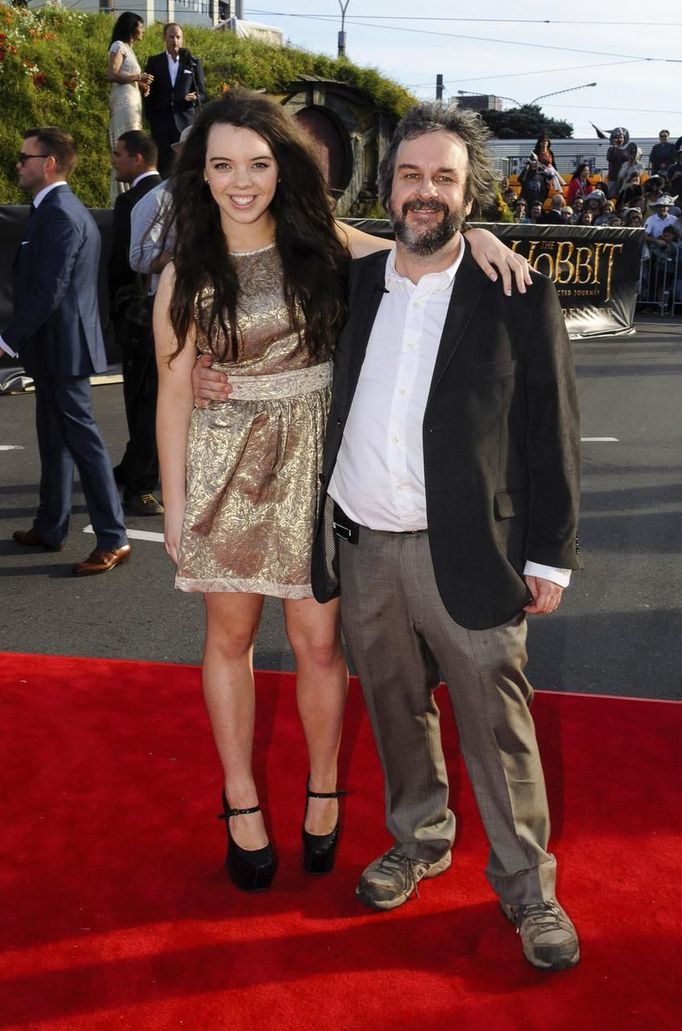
point(142, 505)
point(550, 941)
point(389, 881)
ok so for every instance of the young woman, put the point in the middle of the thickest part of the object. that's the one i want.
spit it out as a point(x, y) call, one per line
point(545, 155)
point(258, 285)
point(579, 184)
point(632, 167)
point(543, 151)
point(128, 83)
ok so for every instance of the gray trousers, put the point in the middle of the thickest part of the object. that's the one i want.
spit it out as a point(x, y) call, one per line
point(400, 635)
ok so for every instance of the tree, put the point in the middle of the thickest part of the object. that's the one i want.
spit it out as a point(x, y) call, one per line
point(525, 123)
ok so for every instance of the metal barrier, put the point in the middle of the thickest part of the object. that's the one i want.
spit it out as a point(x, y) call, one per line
point(660, 280)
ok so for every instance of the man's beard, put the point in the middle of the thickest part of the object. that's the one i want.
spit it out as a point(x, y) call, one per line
point(425, 241)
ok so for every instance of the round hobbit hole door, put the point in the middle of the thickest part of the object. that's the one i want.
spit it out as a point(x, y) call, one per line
point(333, 150)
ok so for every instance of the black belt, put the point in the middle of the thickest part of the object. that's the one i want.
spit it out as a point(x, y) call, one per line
point(348, 530)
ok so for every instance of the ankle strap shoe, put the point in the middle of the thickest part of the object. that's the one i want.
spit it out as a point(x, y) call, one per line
point(248, 869)
point(319, 850)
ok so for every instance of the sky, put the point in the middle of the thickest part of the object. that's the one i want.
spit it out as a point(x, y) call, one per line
point(519, 50)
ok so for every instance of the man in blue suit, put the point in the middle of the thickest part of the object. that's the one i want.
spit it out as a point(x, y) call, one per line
point(57, 335)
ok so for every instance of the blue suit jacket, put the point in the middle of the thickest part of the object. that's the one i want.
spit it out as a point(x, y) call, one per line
point(56, 325)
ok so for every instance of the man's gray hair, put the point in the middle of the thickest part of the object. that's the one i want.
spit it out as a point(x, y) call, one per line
point(432, 116)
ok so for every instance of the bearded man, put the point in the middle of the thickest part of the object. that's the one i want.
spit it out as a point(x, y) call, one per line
point(449, 512)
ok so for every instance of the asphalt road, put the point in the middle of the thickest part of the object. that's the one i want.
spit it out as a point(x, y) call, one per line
point(618, 631)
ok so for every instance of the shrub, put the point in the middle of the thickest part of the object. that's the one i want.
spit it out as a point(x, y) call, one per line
point(53, 72)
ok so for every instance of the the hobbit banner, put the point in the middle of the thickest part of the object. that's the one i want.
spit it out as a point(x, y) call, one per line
point(595, 269)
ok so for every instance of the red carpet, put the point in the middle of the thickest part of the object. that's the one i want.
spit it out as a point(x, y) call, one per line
point(116, 912)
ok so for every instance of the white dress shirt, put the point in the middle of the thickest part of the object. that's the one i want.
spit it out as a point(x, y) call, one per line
point(141, 176)
point(37, 201)
point(378, 479)
point(173, 65)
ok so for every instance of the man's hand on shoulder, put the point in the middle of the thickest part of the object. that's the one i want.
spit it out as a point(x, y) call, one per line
point(546, 596)
point(208, 384)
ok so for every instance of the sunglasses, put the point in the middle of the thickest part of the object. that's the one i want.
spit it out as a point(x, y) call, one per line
point(23, 158)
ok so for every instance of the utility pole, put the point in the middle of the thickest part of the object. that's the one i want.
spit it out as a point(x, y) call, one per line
point(439, 87)
point(342, 33)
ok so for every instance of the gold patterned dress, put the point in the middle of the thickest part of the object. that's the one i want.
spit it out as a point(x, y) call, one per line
point(253, 462)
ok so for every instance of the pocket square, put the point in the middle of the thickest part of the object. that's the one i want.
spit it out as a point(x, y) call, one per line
point(24, 242)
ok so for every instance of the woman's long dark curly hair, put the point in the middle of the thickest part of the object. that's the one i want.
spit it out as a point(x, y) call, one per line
point(314, 261)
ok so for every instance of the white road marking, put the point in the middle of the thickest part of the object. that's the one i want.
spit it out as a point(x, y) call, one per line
point(106, 379)
point(600, 440)
point(12, 447)
point(136, 535)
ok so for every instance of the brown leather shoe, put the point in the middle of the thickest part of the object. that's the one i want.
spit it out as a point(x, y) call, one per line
point(101, 561)
point(32, 539)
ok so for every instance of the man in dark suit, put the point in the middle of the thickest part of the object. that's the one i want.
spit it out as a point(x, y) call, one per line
point(134, 161)
point(56, 333)
point(553, 217)
point(176, 94)
point(449, 510)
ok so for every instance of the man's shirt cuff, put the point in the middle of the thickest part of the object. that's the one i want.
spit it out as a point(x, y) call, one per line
point(7, 349)
point(562, 577)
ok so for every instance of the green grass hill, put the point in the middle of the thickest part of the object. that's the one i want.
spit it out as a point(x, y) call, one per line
point(53, 72)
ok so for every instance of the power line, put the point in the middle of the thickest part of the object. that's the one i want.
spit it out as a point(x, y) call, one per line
point(630, 110)
point(545, 71)
point(486, 39)
point(495, 21)
point(516, 75)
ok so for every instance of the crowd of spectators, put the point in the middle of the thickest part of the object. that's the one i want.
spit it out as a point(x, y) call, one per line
point(637, 192)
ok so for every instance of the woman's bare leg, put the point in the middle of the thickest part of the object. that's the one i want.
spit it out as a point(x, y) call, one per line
point(232, 621)
point(321, 689)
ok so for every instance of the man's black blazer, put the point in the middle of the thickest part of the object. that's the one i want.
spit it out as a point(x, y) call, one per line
point(166, 104)
point(500, 435)
point(119, 271)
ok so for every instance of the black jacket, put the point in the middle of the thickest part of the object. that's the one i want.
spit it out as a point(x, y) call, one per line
point(500, 435)
point(119, 271)
point(167, 103)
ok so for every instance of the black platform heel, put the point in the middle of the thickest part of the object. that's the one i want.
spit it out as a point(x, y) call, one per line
point(319, 850)
point(249, 870)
